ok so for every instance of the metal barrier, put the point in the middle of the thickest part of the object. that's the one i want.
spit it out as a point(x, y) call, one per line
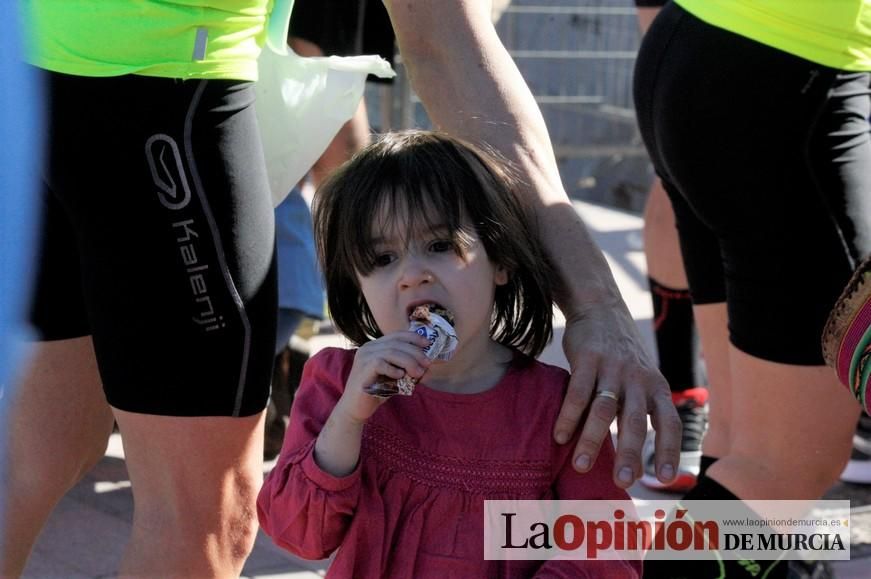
point(577, 57)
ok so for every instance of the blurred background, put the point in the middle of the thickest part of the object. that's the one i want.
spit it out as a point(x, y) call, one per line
point(577, 56)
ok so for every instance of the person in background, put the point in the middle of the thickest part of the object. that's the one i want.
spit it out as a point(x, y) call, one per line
point(674, 327)
point(317, 28)
point(300, 297)
point(342, 28)
point(761, 139)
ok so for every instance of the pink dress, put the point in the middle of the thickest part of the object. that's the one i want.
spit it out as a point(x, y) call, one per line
point(413, 508)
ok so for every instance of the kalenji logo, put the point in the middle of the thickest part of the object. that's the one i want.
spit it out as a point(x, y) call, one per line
point(737, 530)
point(173, 191)
point(167, 171)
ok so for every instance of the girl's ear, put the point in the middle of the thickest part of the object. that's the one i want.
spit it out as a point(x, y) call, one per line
point(500, 277)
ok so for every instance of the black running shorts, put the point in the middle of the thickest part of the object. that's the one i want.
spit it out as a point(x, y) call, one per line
point(158, 241)
point(767, 160)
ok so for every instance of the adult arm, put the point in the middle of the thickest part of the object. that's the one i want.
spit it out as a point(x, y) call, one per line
point(471, 88)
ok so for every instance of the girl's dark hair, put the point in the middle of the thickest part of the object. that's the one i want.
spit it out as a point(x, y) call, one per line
point(432, 180)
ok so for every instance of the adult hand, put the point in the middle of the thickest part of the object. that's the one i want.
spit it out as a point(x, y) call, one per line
point(605, 353)
point(472, 89)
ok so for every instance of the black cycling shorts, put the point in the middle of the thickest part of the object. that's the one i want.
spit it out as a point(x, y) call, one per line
point(158, 241)
point(767, 160)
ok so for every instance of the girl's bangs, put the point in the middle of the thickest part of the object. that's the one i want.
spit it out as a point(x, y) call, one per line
point(414, 202)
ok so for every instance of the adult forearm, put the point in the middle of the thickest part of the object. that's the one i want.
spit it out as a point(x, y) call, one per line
point(471, 88)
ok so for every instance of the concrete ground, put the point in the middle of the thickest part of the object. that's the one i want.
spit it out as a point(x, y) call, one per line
point(85, 537)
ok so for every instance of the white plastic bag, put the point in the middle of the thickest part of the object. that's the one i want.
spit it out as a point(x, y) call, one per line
point(303, 102)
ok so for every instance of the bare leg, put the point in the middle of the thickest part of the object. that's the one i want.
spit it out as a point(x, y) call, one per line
point(791, 430)
point(195, 484)
point(661, 244)
point(712, 323)
point(60, 424)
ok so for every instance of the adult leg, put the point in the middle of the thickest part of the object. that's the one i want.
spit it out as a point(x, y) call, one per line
point(778, 203)
point(712, 323)
point(673, 324)
point(179, 285)
point(59, 426)
point(676, 339)
point(792, 429)
point(195, 481)
point(661, 244)
point(783, 259)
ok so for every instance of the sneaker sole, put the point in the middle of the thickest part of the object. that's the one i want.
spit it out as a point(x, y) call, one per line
point(684, 482)
point(857, 472)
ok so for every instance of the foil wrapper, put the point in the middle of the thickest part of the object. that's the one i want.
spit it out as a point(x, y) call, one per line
point(434, 323)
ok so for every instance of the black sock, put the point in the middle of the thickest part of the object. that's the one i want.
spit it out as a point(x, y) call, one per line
point(705, 463)
point(709, 489)
point(676, 341)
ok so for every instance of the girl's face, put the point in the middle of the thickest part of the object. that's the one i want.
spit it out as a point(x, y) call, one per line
point(420, 267)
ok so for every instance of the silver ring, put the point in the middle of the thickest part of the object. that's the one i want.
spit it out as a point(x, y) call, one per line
point(608, 394)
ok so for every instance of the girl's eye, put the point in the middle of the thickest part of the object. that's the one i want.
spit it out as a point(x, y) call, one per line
point(383, 259)
point(441, 246)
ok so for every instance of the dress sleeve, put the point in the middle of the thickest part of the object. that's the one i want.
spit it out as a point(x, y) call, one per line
point(596, 484)
point(303, 508)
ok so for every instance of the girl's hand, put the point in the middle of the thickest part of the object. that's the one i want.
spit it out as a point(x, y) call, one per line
point(392, 356)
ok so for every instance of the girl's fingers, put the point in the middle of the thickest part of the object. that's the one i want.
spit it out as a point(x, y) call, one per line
point(408, 344)
point(393, 356)
point(385, 368)
point(406, 362)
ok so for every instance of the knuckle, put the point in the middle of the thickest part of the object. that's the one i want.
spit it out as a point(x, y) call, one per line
point(588, 445)
point(669, 450)
point(671, 422)
point(662, 399)
point(629, 455)
point(605, 410)
point(635, 423)
point(576, 392)
point(572, 408)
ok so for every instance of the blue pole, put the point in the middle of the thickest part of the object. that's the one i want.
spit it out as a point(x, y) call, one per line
point(19, 135)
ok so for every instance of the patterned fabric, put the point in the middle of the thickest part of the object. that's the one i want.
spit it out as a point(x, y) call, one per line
point(414, 505)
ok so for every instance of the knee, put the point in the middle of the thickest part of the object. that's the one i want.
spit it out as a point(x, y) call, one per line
point(203, 528)
point(48, 475)
point(230, 520)
point(221, 514)
point(241, 523)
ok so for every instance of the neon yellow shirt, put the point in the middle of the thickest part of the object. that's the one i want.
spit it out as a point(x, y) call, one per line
point(167, 38)
point(834, 33)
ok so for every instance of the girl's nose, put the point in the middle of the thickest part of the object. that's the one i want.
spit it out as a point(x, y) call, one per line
point(415, 274)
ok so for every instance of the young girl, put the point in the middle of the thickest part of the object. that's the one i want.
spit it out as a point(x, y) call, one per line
point(399, 485)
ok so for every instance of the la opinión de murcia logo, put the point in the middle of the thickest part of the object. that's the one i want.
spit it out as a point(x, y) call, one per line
point(588, 531)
